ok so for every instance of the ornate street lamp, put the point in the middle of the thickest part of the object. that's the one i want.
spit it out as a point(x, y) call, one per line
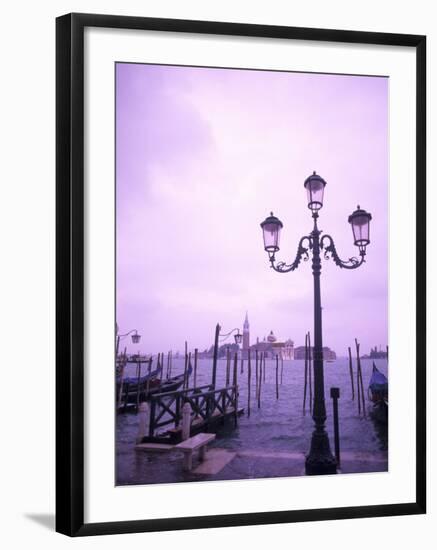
point(135, 337)
point(320, 459)
point(271, 227)
point(315, 186)
point(360, 222)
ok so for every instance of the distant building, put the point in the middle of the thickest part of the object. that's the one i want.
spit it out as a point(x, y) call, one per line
point(328, 353)
point(272, 348)
point(377, 354)
point(288, 350)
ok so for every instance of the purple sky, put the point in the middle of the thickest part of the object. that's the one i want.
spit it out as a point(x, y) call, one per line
point(203, 156)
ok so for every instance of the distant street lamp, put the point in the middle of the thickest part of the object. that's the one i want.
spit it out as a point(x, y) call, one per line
point(237, 337)
point(134, 336)
point(320, 459)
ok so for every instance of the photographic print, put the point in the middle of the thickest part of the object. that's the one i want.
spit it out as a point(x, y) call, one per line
point(251, 336)
point(241, 268)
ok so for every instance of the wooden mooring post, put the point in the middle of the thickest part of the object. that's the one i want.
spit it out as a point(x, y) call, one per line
point(358, 391)
point(228, 365)
point(335, 394)
point(256, 374)
point(167, 374)
point(310, 371)
point(249, 382)
point(161, 367)
point(277, 376)
point(351, 372)
point(138, 382)
point(190, 370)
point(196, 351)
point(123, 366)
point(235, 385)
point(234, 373)
point(215, 356)
point(149, 370)
point(360, 379)
point(185, 365)
point(305, 374)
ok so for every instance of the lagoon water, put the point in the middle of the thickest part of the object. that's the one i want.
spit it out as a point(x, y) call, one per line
point(279, 424)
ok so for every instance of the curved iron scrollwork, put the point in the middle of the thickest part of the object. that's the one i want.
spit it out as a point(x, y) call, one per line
point(330, 251)
point(223, 337)
point(302, 253)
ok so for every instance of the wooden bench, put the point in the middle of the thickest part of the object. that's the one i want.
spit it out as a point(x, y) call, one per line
point(197, 442)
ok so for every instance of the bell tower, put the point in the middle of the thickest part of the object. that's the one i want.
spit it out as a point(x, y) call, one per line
point(246, 336)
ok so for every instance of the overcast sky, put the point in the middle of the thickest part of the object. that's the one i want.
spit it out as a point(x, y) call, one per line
point(203, 156)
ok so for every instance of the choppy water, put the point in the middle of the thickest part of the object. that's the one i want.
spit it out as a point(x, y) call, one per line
point(279, 424)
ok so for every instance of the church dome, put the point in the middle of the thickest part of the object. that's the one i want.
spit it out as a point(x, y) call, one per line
point(271, 337)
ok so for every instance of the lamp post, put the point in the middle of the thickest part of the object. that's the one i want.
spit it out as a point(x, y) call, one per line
point(135, 340)
point(319, 460)
point(237, 337)
point(134, 336)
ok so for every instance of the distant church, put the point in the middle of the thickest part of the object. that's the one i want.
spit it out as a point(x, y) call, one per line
point(270, 346)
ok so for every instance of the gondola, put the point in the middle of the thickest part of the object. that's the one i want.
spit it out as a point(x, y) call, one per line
point(133, 381)
point(149, 385)
point(378, 395)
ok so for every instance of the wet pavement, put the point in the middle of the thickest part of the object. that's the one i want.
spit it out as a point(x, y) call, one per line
point(224, 464)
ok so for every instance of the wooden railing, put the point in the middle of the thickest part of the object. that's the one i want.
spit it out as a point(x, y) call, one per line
point(205, 402)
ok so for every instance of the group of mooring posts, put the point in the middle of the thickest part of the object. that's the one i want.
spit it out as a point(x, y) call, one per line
point(359, 380)
point(308, 377)
point(130, 392)
point(260, 375)
point(189, 367)
point(165, 371)
point(134, 390)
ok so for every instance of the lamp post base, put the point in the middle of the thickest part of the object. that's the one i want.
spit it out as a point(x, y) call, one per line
point(320, 460)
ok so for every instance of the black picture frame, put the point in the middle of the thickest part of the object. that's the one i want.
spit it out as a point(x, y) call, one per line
point(70, 273)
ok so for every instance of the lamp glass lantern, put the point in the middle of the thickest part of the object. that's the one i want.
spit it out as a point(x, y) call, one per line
point(315, 186)
point(136, 338)
point(360, 222)
point(271, 227)
point(238, 337)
